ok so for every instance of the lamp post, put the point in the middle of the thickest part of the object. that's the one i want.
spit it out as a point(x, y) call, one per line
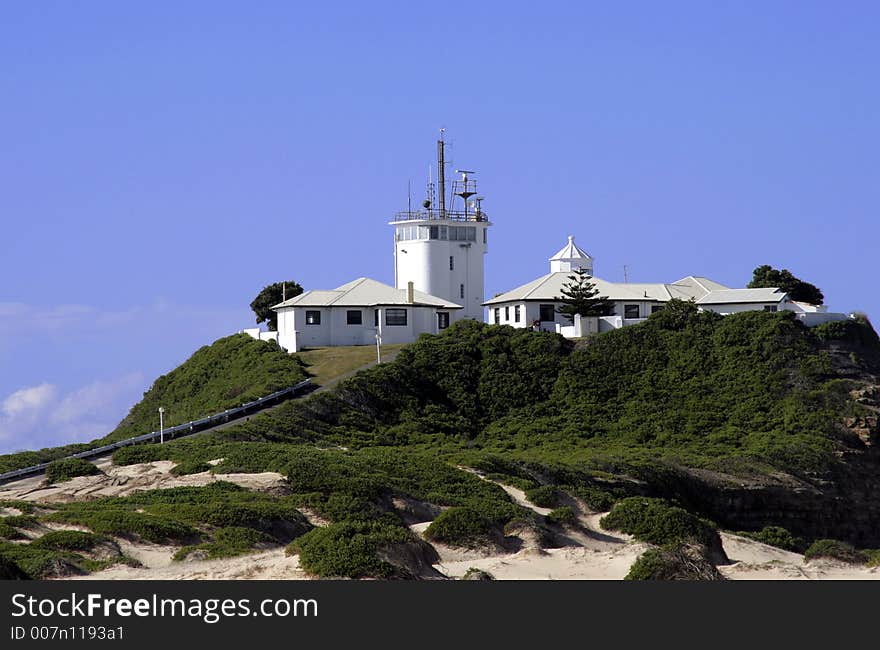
point(161, 425)
point(378, 352)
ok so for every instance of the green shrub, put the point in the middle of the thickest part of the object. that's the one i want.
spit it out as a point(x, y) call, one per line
point(10, 532)
point(461, 526)
point(229, 541)
point(562, 516)
point(474, 573)
point(873, 557)
point(127, 523)
point(350, 549)
point(68, 540)
point(778, 537)
point(9, 570)
point(658, 522)
point(835, 550)
point(674, 562)
point(190, 467)
point(25, 507)
point(858, 331)
point(19, 521)
point(545, 496)
point(597, 499)
point(59, 471)
point(137, 454)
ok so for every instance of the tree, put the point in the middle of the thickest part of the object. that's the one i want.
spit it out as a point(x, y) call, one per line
point(271, 296)
point(797, 289)
point(580, 296)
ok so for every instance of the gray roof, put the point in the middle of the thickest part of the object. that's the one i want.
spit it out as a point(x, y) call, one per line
point(739, 296)
point(364, 292)
point(549, 287)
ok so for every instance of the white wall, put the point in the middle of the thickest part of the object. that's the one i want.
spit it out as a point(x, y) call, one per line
point(295, 334)
point(738, 308)
point(425, 263)
point(531, 311)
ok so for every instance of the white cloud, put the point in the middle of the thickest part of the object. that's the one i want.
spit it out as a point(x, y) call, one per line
point(40, 416)
point(28, 400)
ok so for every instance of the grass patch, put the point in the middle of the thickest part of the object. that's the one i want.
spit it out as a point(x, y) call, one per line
point(328, 364)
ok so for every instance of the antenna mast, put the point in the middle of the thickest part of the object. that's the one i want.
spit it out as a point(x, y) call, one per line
point(441, 174)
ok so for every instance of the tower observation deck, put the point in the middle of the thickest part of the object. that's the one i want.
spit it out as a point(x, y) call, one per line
point(439, 249)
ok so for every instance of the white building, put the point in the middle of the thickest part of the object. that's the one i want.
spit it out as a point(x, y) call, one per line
point(355, 313)
point(441, 250)
point(535, 304)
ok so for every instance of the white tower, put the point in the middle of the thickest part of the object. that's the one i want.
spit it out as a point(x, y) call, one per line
point(441, 250)
point(571, 258)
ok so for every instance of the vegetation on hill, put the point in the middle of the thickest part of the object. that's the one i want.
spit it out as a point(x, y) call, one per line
point(233, 370)
point(65, 469)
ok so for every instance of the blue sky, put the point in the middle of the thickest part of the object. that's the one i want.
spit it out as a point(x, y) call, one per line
point(161, 162)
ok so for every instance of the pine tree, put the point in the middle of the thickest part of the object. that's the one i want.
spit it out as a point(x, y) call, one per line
point(580, 296)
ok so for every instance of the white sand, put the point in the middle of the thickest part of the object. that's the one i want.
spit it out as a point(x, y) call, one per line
point(265, 565)
point(126, 479)
point(756, 561)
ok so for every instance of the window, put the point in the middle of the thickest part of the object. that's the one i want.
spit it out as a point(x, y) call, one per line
point(313, 318)
point(548, 313)
point(461, 290)
point(485, 235)
point(507, 313)
point(516, 314)
point(442, 320)
point(770, 308)
point(395, 316)
point(451, 263)
point(375, 318)
point(656, 308)
point(444, 233)
point(630, 311)
point(354, 317)
point(497, 315)
point(462, 233)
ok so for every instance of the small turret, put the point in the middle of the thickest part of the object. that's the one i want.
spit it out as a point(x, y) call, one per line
point(571, 258)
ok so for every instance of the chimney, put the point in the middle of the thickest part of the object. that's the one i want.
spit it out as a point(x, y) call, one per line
point(409, 292)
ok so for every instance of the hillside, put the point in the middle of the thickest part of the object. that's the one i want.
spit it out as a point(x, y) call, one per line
point(233, 370)
point(750, 421)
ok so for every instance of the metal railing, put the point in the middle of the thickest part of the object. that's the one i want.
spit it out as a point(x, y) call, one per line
point(434, 215)
point(179, 431)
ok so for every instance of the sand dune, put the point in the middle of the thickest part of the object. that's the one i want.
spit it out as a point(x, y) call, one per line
point(585, 551)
